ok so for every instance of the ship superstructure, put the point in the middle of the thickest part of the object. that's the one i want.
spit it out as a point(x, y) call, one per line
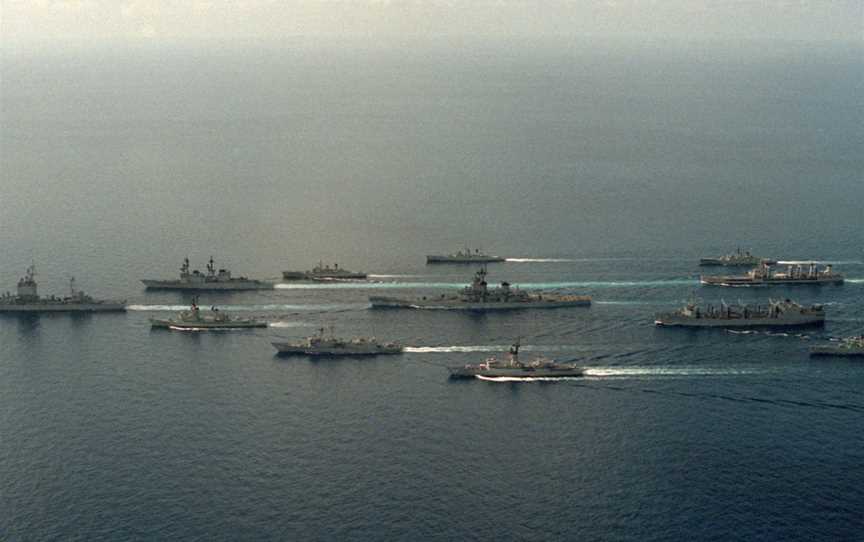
point(478, 296)
point(765, 275)
point(847, 347)
point(27, 299)
point(213, 279)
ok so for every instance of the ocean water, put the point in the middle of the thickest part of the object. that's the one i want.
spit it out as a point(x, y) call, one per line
point(598, 167)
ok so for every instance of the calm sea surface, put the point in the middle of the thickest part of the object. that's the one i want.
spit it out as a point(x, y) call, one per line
point(601, 168)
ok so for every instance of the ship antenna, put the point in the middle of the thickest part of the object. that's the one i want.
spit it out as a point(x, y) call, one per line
point(72, 286)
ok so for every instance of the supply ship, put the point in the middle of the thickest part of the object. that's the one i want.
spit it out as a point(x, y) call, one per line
point(463, 256)
point(786, 313)
point(324, 272)
point(736, 259)
point(193, 319)
point(478, 296)
point(513, 368)
point(28, 300)
point(329, 346)
point(764, 275)
point(211, 280)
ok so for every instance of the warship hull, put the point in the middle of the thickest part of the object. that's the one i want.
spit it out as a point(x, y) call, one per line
point(797, 320)
point(294, 349)
point(830, 350)
point(380, 302)
point(173, 324)
point(719, 262)
point(463, 259)
point(747, 281)
point(226, 286)
point(63, 307)
point(514, 372)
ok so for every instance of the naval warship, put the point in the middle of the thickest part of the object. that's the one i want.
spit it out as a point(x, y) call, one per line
point(324, 345)
point(849, 347)
point(513, 368)
point(786, 313)
point(193, 319)
point(764, 275)
point(28, 300)
point(323, 272)
point(479, 297)
point(463, 256)
point(212, 280)
point(736, 259)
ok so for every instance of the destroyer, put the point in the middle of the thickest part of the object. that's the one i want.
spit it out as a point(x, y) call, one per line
point(479, 297)
point(850, 346)
point(193, 319)
point(513, 368)
point(323, 272)
point(324, 345)
point(463, 256)
point(212, 280)
point(736, 259)
point(784, 313)
point(764, 275)
point(28, 299)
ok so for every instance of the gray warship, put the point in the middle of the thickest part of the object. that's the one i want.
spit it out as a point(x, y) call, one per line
point(848, 347)
point(324, 272)
point(513, 368)
point(736, 259)
point(28, 300)
point(215, 319)
point(212, 280)
point(463, 256)
point(330, 346)
point(479, 297)
point(764, 275)
point(786, 313)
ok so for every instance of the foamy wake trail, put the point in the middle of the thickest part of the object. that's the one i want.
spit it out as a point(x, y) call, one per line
point(821, 262)
point(446, 349)
point(288, 324)
point(667, 371)
point(525, 379)
point(855, 281)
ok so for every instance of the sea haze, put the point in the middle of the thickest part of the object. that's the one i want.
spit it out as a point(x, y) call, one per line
point(605, 167)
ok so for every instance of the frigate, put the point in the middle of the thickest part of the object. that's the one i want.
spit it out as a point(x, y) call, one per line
point(214, 319)
point(764, 275)
point(736, 259)
point(211, 280)
point(463, 256)
point(328, 345)
point(28, 300)
point(478, 296)
point(848, 347)
point(323, 272)
point(513, 368)
point(785, 313)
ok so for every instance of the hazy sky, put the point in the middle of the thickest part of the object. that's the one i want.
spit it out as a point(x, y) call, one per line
point(24, 22)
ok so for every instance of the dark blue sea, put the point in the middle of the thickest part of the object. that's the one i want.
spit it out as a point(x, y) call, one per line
point(599, 167)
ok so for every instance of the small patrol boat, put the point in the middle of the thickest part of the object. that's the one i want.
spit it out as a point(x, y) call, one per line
point(331, 346)
point(196, 320)
point(513, 368)
point(764, 275)
point(848, 347)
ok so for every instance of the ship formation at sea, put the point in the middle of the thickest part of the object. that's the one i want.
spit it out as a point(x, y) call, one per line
point(478, 297)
